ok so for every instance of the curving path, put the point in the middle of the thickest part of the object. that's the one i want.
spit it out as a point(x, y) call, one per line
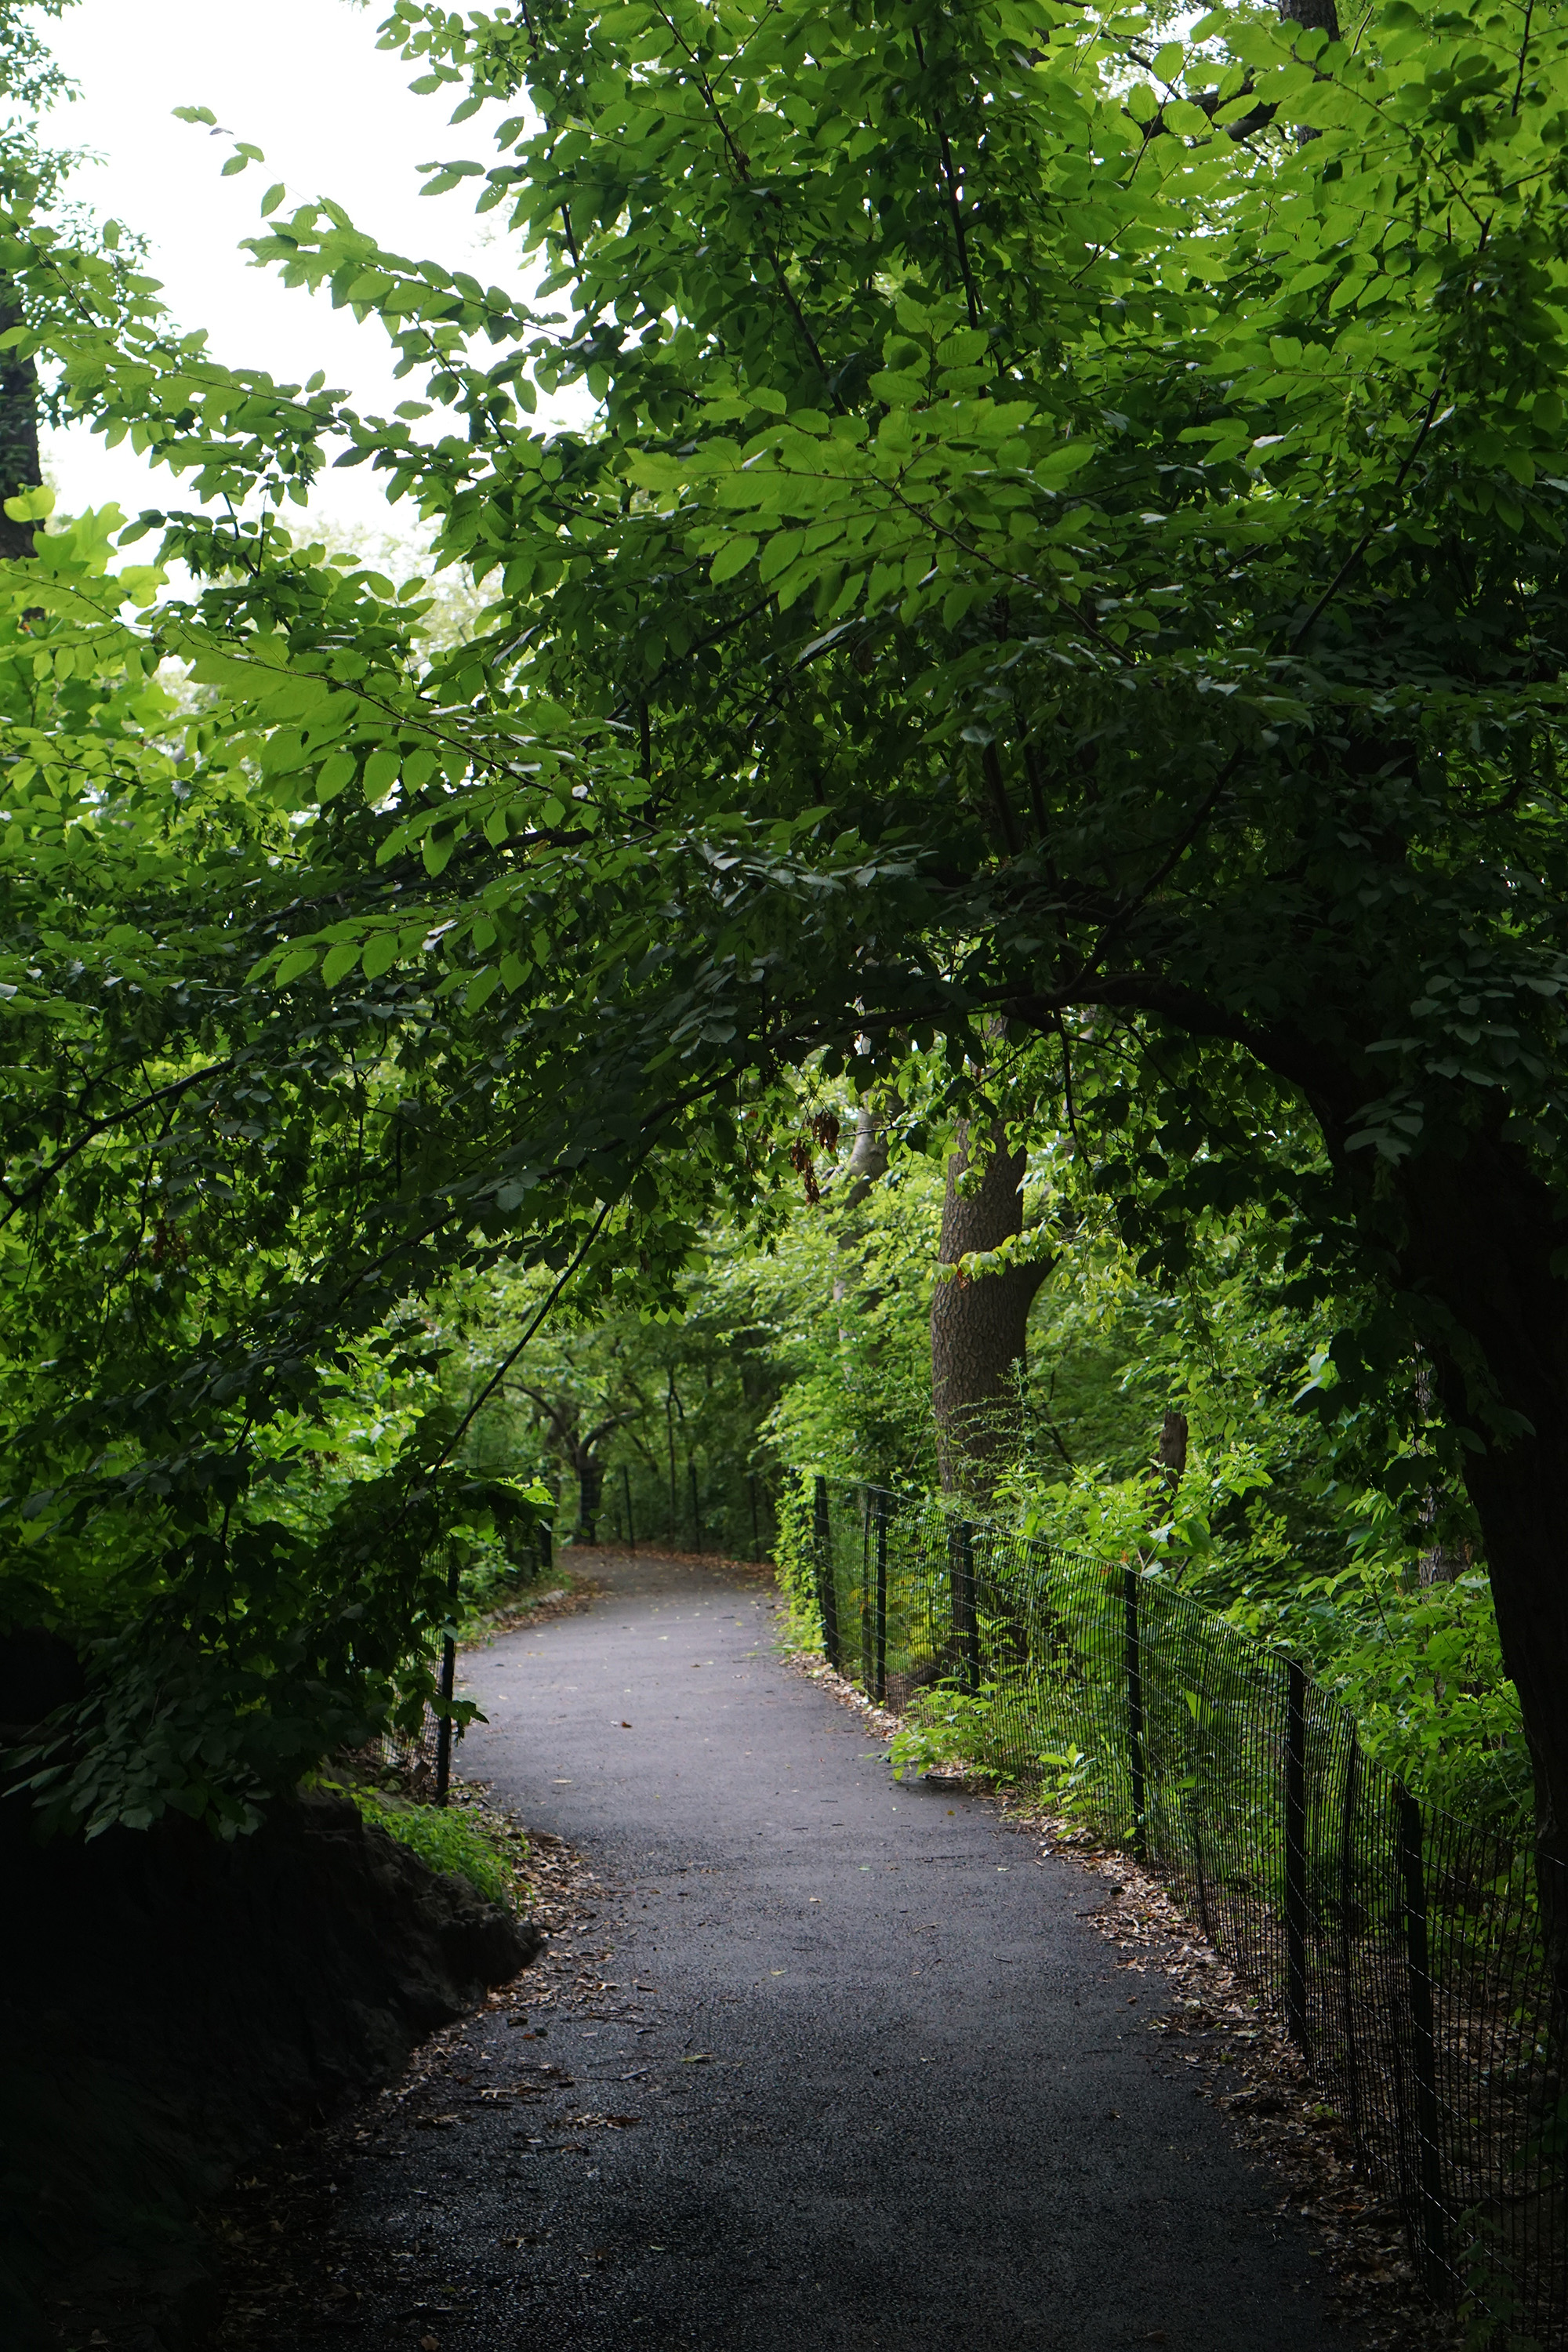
point(894, 2094)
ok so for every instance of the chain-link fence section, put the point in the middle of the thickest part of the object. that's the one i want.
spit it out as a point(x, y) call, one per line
point(1418, 1960)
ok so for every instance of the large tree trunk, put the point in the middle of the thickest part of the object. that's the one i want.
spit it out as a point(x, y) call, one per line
point(590, 1473)
point(1315, 16)
point(19, 467)
point(1482, 1239)
point(977, 1326)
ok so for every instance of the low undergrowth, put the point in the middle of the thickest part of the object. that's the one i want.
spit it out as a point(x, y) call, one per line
point(462, 1837)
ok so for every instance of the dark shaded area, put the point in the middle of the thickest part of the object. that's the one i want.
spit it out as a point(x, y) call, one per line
point(170, 2007)
point(38, 1672)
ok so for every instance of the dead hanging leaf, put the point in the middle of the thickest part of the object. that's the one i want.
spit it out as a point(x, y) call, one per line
point(802, 1160)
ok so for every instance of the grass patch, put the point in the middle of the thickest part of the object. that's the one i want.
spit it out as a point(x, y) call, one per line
point(452, 1837)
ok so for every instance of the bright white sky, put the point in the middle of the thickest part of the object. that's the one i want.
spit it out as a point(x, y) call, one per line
point(303, 80)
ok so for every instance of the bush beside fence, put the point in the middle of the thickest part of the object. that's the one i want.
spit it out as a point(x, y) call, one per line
point(1405, 1948)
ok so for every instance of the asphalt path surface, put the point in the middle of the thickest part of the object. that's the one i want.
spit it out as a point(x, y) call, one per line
point(893, 2091)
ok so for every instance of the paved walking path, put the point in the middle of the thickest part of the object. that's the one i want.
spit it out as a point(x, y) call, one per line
point(921, 2111)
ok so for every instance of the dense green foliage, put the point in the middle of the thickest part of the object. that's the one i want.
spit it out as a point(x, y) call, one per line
point(1308, 1529)
point(1057, 546)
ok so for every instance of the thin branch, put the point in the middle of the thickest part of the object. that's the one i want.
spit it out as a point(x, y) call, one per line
point(1003, 805)
point(1166, 867)
point(1354, 557)
point(509, 1359)
point(98, 1127)
point(950, 176)
point(1524, 53)
point(740, 163)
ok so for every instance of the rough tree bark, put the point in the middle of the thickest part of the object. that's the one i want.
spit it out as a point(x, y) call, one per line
point(866, 1162)
point(977, 1326)
point(20, 466)
point(1315, 16)
point(1483, 1235)
point(1171, 1457)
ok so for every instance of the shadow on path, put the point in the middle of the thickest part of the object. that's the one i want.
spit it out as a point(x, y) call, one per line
point(894, 2095)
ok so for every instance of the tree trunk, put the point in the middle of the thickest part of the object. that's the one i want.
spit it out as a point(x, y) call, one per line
point(868, 1161)
point(590, 1495)
point(19, 467)
point(1482, 1240)
point(1315, 16)
point(1171, 1457)
point(977, 1326)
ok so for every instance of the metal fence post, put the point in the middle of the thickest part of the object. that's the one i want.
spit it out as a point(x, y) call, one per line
point(1133, 1663)
point(696, 1507)
point(866, 1587)
point(448, 1684)
point(966, 1622)
point(1347, 1902)
point(627, 1491)
point(879, 1683)
point(756, 1536)
point(1296, 1854)
point(1432, 2221)
point(827, 1583)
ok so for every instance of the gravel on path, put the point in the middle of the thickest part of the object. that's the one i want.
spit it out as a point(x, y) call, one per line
point(890, 2092)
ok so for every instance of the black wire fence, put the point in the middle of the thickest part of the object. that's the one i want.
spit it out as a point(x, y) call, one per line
point(1406, 1949)
point(699, 1507)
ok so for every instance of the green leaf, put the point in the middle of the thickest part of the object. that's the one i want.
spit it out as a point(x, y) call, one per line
point(341, 959)
point(731, 558)
point(335, 775)
point(380, 954)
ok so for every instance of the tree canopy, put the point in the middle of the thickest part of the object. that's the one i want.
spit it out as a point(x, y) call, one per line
point(1068, 549)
